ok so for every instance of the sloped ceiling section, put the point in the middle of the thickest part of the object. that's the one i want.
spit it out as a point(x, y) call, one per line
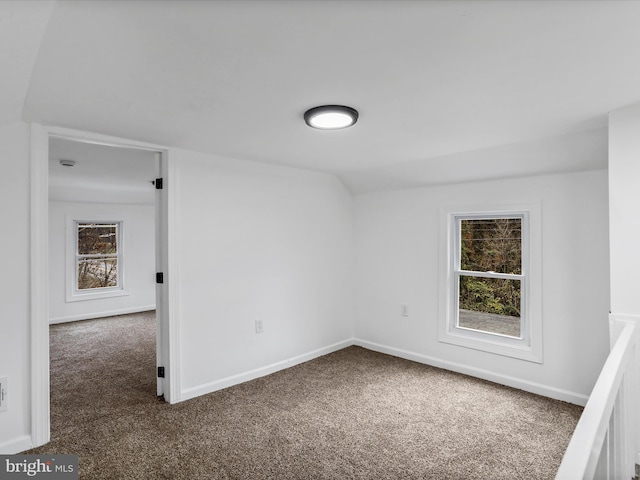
point(22, 27)
point(567, 153)
point(431, 79)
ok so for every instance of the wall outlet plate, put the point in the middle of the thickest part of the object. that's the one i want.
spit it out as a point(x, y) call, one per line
point(259, 325)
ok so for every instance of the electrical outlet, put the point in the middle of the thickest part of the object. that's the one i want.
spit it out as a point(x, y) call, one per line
point(404, 309)
point(259, 325)
point(4, 393)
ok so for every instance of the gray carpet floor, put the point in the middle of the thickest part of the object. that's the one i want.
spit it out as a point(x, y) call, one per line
point(353, 414)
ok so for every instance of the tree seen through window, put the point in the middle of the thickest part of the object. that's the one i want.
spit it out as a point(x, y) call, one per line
point(97, 255)
point(490, 275)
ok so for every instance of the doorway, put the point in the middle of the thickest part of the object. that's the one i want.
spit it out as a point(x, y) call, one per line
point(102, 214)
point(43, 140)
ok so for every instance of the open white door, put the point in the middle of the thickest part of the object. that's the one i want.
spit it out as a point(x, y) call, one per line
point(167, 381)
point(159, 277)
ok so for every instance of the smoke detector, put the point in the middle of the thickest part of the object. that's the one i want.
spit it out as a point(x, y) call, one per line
point(67, 163)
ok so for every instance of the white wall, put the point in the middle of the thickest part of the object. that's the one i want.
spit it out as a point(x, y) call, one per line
point(624, 205)
point(397, 262)
point(14, 286)
point(258, 241)
point(138, 262)
point(624, 220)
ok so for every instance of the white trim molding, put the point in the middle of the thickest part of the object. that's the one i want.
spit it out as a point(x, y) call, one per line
point(262, 371)
point(72, 293)
point(529, 346)
point(100, 139)
point(39, 277)
point(527, 386)
point(107, 313)
point(40, 403)
point(16, 445)
point(170, 262)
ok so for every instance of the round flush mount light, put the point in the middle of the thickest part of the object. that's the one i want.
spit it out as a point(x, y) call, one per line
point(67, 163)
point(330, 117)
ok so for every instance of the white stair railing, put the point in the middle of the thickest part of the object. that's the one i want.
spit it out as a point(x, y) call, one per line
point(605, 444)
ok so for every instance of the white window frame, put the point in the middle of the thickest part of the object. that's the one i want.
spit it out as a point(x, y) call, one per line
point(73, 294)
point(529, 345)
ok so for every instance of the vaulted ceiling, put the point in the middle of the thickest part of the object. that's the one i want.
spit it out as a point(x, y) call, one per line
point(447, 90)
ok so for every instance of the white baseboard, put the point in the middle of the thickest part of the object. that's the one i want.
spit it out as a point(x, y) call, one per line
point(527, 386)
point(108, 313)
point(16, 445)
point(260, 372)
point(532, 387)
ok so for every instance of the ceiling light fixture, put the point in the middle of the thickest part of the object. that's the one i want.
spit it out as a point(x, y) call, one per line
point(330, 117)
point(67, 163)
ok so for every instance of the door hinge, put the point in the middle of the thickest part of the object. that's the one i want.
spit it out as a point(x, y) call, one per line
point(159, 277)
point(160, 372)
point(158, 183)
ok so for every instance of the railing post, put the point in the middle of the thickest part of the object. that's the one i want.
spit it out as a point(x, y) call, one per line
point(605, 443)
point(631, 385)
point(635, 398)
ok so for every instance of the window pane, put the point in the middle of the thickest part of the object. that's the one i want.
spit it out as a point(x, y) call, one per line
point(97, 239)
point(97, 273)
point(490, 305)
point(491, 245)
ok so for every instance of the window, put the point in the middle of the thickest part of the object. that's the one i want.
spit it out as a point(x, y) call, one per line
point(491, 287)
point(488, 274)
point(97, 255)
point(95, 262)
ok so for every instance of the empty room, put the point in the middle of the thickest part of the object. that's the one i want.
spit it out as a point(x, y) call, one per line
point(320, 239)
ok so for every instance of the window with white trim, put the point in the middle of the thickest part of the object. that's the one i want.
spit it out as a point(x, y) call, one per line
point(94, 260)
point(97, 256)
point(491, 291)
point(488, 273)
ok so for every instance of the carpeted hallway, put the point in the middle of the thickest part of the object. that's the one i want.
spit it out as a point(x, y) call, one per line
point(353, 414)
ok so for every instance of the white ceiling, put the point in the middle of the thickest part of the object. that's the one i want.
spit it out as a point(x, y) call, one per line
point(102, 174)
point(447, 90)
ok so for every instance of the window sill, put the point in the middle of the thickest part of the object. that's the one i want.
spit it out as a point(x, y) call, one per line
point(486, 342)
point(80, 297)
